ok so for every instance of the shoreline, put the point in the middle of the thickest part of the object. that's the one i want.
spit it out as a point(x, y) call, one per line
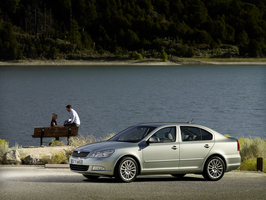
point(186, 61)
point(83, 63)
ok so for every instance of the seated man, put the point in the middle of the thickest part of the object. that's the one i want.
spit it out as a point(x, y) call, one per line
point(73, 117)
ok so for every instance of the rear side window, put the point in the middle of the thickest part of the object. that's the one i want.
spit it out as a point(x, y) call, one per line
point(189, 133)
point(205, 135)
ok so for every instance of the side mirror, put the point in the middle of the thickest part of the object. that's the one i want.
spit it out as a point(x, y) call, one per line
point(154, 139)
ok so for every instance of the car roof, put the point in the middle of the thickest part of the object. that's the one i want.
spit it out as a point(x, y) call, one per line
point(158, 124)
point(162, 124)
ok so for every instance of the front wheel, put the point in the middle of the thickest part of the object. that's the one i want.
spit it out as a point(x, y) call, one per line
point(214, 169)
point(127, 170)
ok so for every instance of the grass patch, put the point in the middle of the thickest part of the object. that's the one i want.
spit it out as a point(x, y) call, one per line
point(62, 157)
point(3, 147)
point(223, 59)
point(252, 148)
point(56, 158)
point(55, 142)
point(83, 140)
point(251, 165)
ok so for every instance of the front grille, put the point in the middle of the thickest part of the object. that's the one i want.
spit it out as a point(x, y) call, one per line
point(80, 154)
point(79, 167)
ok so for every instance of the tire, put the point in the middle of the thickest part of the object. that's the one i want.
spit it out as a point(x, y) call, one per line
point(91, 177)
point(214, 169)
point(126, 170)
point(178, 175)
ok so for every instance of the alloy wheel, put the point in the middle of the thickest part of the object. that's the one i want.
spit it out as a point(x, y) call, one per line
point(214, 169)
point(127, 170)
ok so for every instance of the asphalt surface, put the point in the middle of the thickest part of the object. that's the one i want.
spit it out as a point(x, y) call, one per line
point(48, 183)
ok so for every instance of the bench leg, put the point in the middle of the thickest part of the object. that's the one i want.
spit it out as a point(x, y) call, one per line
point(42, 136)
point(69, 133)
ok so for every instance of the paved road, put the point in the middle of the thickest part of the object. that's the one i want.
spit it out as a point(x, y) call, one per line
point(40, 183)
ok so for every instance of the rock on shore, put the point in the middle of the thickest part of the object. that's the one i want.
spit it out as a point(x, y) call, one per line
point(12, 157)
point(31, 155)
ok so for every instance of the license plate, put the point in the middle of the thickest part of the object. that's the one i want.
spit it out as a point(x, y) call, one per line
point(76, 161)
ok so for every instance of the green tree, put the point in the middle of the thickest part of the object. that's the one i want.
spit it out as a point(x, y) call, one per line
point(164, 56)
point(53, 53)
point(79, 12)
point(197, 13)
point(243, 38)
point(254, 48)
point(177, 7)
point(220, 31)
point(121, 37)
point(201, 37)
point(86, 40)
point(154, 54)
point(9, 48)
point(92, 11)
point(74, 35)
point(190, 52)
point(9, 6)
point(137, 55)
point(132, 39)
point(118, 51)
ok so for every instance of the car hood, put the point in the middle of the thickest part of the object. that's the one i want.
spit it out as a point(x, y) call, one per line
point(99, 146)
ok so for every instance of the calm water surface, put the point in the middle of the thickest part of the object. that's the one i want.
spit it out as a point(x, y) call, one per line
point(229, 99)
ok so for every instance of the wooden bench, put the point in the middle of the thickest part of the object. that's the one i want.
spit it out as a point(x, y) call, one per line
point(56, 132)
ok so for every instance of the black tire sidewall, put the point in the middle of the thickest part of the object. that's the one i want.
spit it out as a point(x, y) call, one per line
point(118, 174)
point(205, 172)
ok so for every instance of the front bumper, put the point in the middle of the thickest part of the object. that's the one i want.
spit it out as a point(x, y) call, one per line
point(93, 166)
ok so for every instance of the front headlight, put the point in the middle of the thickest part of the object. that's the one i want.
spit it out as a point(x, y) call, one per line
point(102, 154)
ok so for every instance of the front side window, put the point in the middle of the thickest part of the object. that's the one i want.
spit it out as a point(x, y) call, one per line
point(132, 134)
point(166, 134)
point(189, 133)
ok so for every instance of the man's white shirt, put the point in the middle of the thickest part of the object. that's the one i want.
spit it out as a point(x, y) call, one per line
point(74, 118)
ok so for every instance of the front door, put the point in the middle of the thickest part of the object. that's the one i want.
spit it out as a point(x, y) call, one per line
point(164, 155)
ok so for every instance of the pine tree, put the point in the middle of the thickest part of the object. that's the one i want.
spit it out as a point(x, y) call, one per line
point(74, 35)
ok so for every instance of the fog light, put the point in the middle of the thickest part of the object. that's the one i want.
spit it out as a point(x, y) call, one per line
point(98, 168)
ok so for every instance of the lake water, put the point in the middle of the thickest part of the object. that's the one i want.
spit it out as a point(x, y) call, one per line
point(229, 99)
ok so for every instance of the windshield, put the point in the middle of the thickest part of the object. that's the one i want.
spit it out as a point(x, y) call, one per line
point(133, 134)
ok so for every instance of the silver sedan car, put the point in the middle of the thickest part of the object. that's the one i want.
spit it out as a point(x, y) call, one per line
point(158, 148)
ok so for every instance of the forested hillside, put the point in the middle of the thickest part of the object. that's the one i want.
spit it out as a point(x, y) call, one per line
point(49, 29)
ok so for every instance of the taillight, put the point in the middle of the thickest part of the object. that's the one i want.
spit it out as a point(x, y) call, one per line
point(238, 148)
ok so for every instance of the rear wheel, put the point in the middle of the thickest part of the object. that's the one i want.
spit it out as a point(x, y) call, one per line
point(91, 177)
point(214, 169)
point(127, 170)
point(178, 175)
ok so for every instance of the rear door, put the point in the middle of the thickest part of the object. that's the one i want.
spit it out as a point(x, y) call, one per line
point(195, 145)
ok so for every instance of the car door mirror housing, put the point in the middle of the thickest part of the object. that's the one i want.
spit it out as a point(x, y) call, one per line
point(154, 139)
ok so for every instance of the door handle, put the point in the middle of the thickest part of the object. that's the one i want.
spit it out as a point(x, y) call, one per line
point(206, 146)
point(174, 147)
